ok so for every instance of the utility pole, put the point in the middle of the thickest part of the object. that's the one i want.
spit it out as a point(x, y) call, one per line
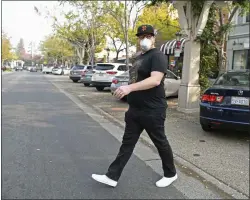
point(126, 34)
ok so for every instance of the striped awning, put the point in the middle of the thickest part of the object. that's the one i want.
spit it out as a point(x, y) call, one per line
point(169, 46)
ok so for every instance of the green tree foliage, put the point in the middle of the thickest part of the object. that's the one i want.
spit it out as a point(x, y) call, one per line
point(6, 53)
point(56, 49)
point(161, 16)
point(121, 12)
point(114, 31)
point(214, 37)
point(72, 31)
point(80, 27)
point(87, 26)
point(209, 57)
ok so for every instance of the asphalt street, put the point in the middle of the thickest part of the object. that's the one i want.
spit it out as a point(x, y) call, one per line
point(50, 148)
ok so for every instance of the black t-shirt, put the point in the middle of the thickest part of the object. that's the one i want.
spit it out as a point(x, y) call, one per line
point(143, 65)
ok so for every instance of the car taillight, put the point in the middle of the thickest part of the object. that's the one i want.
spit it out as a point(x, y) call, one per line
point(111, 72)
point(211, 98)
point(115, 81)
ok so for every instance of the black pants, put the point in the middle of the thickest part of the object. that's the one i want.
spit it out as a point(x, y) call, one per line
point(136, 121)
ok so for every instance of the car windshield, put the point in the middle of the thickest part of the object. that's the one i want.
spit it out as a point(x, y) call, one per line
point(104, 67)
point(233, 79)
point(78, 67)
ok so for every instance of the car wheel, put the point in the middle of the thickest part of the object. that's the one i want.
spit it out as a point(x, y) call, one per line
point(75, 81)
point(86, 84)
point(100, 88)
point(206, 127)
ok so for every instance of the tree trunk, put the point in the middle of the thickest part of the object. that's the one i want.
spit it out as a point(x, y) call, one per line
point(86, 58)
point(92, 45)
point(80, 54)
point(221, 61)
point(221, 52)
point(117, 55)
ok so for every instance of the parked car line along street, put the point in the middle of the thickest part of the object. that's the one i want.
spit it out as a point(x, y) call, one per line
point(104, 74)
point(171, 83)
point(77, 71)
point(211, 152)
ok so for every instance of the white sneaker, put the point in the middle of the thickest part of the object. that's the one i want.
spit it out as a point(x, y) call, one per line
point(104, 179)
point(164, 182)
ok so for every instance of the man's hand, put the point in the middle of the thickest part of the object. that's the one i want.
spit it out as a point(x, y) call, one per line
point(122, 91)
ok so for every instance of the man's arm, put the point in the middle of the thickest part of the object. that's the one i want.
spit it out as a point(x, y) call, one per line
point(153, 81)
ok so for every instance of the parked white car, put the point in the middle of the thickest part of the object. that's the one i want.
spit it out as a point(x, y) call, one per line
point(104, 74)
point(58, 71)
point(47, 69)
point(172, 84)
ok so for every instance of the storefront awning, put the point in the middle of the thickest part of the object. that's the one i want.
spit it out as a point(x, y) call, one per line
point(168, 47)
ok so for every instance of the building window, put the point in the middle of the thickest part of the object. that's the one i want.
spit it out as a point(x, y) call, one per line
point(241, 59)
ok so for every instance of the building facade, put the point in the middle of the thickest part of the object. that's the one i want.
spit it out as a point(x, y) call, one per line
point(238, 54)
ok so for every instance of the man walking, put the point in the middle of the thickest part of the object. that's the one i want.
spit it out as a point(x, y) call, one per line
point(147, 110)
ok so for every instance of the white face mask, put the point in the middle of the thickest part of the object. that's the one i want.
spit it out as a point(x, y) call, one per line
point(145, 44)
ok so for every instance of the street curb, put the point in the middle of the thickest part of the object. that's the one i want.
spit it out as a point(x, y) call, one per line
point(219, 186)
point(183, 162)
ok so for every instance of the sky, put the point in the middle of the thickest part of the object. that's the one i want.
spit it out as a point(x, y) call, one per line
point(19, 20)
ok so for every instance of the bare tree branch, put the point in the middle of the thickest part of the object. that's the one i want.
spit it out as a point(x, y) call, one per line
point(203, 18)
point(220, 17)
point(182, 15)
point(232, 14)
